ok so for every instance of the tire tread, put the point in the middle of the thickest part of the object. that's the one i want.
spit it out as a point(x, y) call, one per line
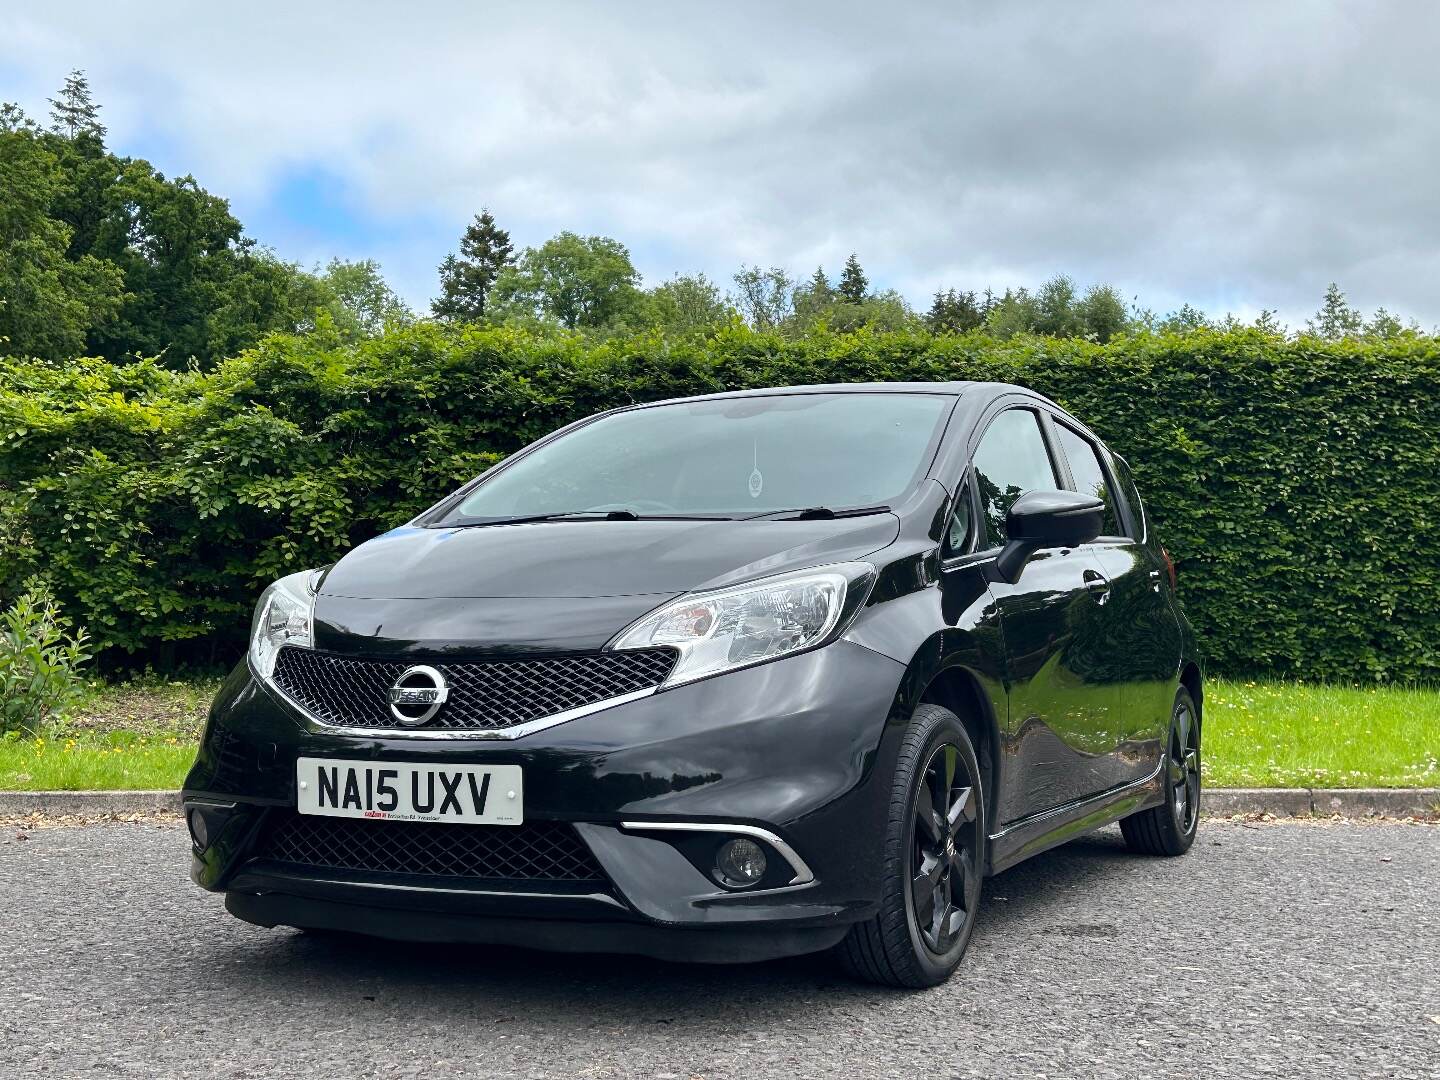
point(879, 950)
point(1154, 831)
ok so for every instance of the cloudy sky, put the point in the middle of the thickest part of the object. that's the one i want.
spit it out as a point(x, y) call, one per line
point(1236, 156)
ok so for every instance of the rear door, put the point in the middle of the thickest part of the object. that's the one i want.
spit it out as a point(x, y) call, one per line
point(1141, 636)
point(1064, 705)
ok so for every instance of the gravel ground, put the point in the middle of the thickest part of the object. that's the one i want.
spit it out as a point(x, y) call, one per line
point(1278, 949)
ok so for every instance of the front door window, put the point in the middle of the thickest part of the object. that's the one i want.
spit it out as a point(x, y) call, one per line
point(1010, 460)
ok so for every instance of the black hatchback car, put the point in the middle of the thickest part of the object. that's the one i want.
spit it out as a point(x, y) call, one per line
point(721, 679)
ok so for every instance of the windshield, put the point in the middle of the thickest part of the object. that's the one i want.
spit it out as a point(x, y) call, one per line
point(728, 457)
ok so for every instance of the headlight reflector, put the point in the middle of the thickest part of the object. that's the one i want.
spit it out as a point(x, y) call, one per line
point(746, 624)
point(282, 617)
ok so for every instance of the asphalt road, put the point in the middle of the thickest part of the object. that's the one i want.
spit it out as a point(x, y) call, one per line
point(1271, 950)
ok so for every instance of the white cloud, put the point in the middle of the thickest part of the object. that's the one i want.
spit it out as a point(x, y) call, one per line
point(1229, 154)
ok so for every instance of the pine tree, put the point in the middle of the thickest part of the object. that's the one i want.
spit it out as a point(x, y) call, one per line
point(853, 285)
point(936, 316)
point(73, 114)
point(953, 312)
point(1336, 319)
point(1384, 326)
point(819, 287)
point(466, 280)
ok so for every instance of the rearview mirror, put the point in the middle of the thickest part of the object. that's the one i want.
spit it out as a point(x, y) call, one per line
point(1041, 519)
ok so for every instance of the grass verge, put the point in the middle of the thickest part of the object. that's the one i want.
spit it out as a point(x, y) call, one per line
point(110, 762)
point(128, 736)
point(1257, 734)
point(1285, 734)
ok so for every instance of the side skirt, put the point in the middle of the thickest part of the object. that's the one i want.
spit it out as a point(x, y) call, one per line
point(1040, 832)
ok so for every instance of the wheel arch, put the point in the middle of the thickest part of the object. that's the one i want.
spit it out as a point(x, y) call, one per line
point(1191, 680)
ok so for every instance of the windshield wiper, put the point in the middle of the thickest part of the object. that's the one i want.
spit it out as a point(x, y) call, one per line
point(579, 515)
point(559, 515)
point(819, 513)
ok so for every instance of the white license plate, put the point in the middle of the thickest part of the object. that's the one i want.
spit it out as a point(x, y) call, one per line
point(398, 791)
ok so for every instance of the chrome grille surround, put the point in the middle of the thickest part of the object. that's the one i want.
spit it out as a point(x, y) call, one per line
point(501, 699)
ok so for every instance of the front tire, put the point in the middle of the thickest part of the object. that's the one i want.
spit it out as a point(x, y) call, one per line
point(933, 861)
point(1170, 828)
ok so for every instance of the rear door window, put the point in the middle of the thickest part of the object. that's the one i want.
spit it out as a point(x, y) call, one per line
point(1089, 474)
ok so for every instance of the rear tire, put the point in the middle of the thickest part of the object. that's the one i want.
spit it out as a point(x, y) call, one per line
point(1170, 828)
point(933, 861)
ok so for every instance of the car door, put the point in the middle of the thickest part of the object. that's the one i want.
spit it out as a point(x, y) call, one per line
point(1141, 633)
point(1063, 707)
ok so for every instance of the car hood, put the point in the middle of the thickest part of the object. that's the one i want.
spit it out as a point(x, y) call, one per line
point(558, 585)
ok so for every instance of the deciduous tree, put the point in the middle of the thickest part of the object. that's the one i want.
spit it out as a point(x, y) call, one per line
point(360, 300)
point(687, 303)
point(1102, 313)
point(581, 282)
point(49, 301)
point(766, 298)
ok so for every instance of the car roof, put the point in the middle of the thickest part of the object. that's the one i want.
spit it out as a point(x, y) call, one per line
point(957, 388)
point(951, 388)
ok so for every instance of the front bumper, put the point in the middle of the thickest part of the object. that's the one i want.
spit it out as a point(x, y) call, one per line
point(802, 748)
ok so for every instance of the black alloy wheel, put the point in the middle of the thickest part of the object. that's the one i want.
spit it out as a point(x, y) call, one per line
point(933, 863)
point(1170, 828)
point(1184, 766)
point(942, 855)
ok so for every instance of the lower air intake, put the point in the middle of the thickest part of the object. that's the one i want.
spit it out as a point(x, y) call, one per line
point(538, 851)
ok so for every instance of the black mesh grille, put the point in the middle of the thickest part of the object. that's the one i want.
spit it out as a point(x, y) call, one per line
point(536, 851)
point(348, 691)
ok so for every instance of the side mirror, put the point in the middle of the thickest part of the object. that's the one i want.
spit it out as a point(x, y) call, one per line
point(1042, 519)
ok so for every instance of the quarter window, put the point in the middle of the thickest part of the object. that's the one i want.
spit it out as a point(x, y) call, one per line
point(1130, 496)
point(1010, 460)
point(957, 540)
point(1089, 474)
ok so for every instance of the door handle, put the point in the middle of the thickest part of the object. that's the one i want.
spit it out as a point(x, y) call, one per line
point(1097, 584)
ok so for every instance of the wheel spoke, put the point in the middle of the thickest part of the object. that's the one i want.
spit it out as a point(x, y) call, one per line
point(932, 829)
point(943, 910)
point(1176, 770)
point(922, 889)
point(954, 922)
point(1182, 729)
point(962, 810)
point(960, 876)
point(941, 776)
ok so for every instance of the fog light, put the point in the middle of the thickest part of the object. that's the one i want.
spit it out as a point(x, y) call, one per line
point(740, 863)
point(199, 832)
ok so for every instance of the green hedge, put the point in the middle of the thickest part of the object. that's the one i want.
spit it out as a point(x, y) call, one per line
point(1296, 482)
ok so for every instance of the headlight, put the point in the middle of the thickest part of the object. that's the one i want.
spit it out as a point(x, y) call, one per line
point(731, 628)
point(282, 617)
